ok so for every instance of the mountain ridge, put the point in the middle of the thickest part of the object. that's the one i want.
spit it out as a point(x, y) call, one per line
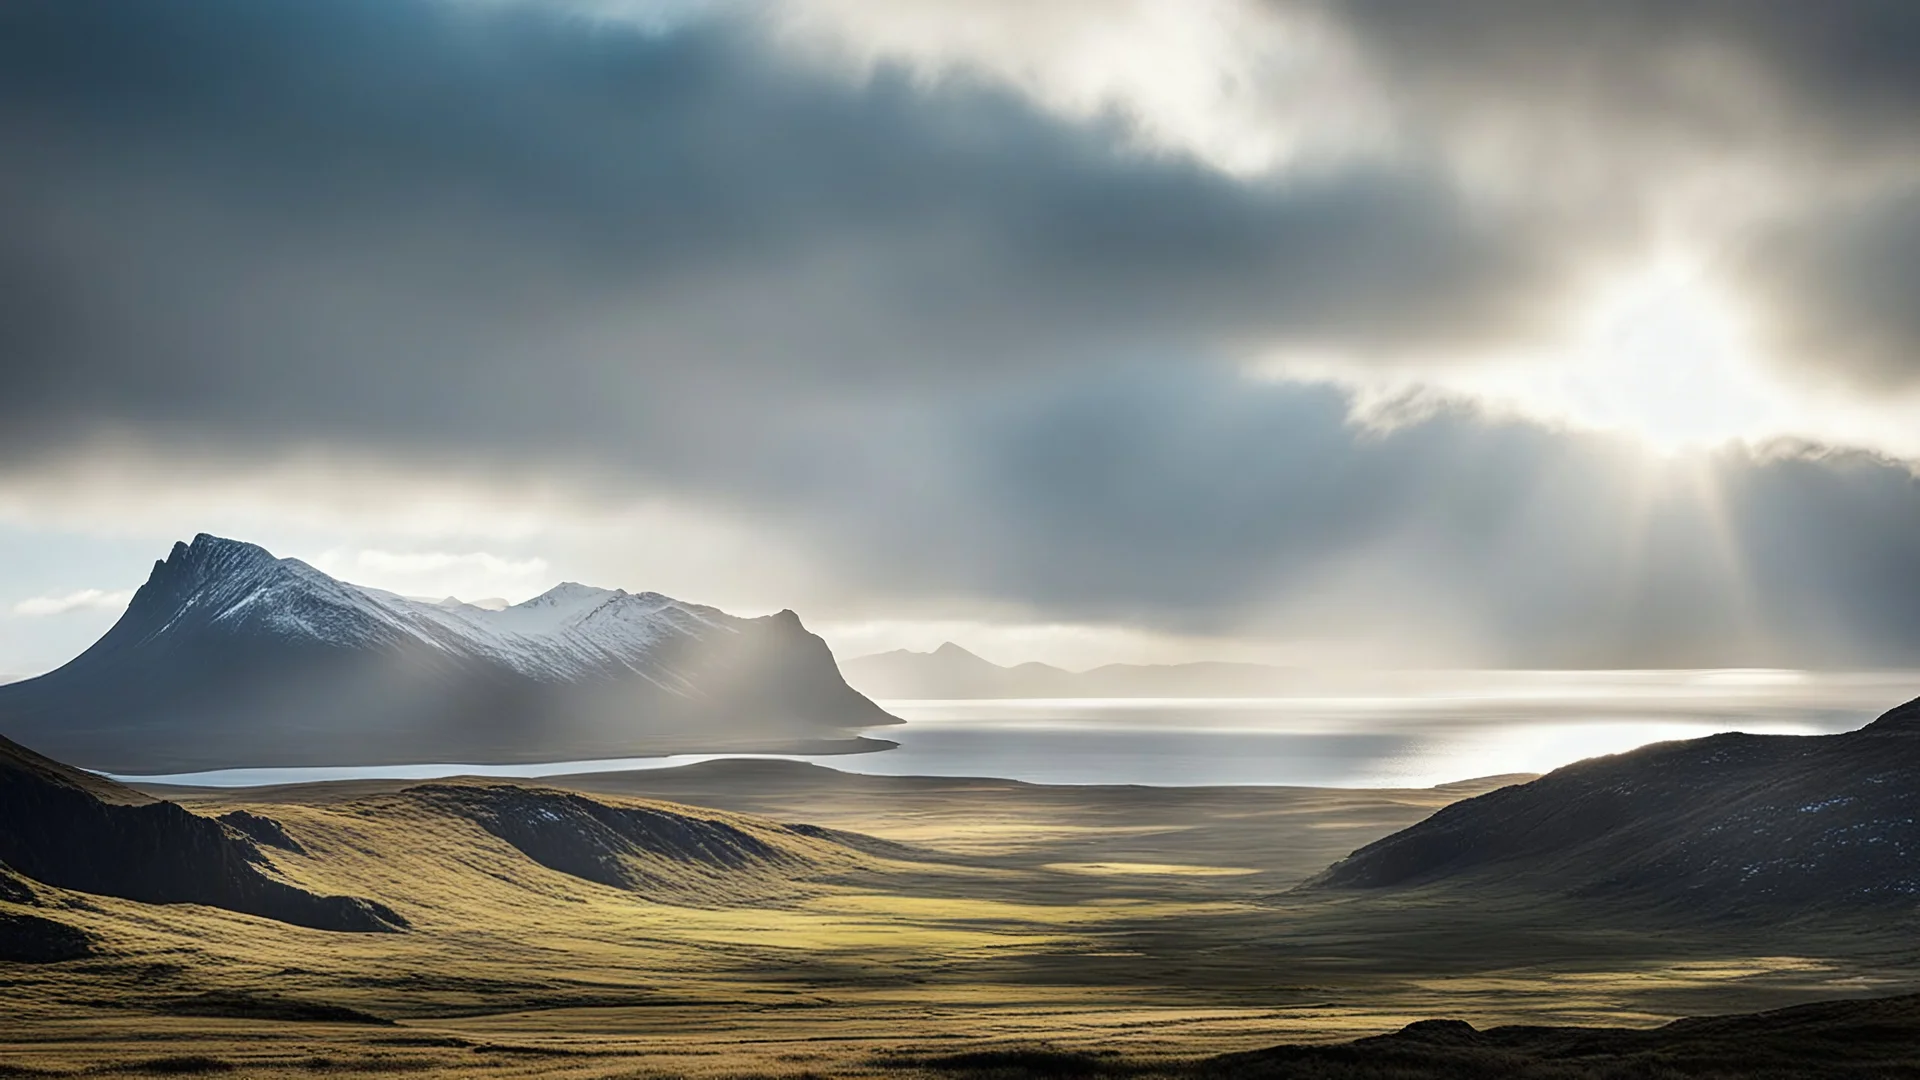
point(228, 656)
point(63, 827)
point(1731, 825)
point(951, 671)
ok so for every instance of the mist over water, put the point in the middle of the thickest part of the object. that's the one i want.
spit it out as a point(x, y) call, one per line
point(1398, 730)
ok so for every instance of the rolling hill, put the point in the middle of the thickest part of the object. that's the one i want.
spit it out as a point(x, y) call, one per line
point(72, 830)
point(1729, 825)
point(65, 832)
point(230, 657)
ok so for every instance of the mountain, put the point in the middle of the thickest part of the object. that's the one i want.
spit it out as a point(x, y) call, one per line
point(72, 830)
point(1730, 825)
point(952, 672)
point(228, 657)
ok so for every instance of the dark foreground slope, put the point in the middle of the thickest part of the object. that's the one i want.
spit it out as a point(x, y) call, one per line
point(1731, 825)
point(230, 657)
point(1877, 1038)
point(66, 828)
point(81, 833)
point(1874, 1038)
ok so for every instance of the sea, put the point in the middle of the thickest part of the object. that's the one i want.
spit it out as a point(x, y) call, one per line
point(1397, 730)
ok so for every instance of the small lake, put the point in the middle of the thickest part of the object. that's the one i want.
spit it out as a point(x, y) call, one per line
point(1403, 731)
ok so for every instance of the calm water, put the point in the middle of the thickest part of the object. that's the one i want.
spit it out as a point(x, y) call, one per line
point(1393, 731)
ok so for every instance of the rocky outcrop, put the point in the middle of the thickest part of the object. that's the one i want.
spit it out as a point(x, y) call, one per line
point(261, 830)
point(66, 828)
point(653, 850)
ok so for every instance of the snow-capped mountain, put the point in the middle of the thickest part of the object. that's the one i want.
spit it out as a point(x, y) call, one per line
point(229, 656)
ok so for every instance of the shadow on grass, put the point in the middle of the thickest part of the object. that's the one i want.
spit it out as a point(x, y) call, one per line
point(1853, 1039)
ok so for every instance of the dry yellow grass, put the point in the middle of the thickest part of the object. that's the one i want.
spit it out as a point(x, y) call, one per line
point(1152, 923)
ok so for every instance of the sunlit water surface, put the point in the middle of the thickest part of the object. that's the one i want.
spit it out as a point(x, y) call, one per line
point(1399, 730)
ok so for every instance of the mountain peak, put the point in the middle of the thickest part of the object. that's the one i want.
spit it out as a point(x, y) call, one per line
point(216, 661)
point(209, 562)
point(950, 651)
point(565, 603)
point(215, 553)
point(207, 545)
point(570, 592)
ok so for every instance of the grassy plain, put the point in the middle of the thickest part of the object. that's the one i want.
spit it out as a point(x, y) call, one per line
point(929, 922)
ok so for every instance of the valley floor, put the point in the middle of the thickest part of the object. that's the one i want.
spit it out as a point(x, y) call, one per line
point(928, 917)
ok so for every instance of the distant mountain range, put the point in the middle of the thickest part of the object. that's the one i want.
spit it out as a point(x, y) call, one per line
point(952, 672)
point(1726, 826)
point(230, 657)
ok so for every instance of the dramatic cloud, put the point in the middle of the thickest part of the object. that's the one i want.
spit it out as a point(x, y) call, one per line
point(429, 223)
point(1438, 334)
point(1842, 284)
point(1774, 140)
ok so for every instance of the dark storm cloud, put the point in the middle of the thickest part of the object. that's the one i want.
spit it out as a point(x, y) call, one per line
point(410, 220)
point(1834, 77)
point(1823, 96)
point(953, 349)
point(1191, 501)
point(1196, 502)
point(1840, 287)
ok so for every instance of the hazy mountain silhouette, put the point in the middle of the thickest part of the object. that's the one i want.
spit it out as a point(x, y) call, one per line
point(952, 672)
point(63, 827)
point(1726, 825)
point(228, 656)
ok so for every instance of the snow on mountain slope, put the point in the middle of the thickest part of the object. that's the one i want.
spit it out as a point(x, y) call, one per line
point(569, 632)
point(229, 657)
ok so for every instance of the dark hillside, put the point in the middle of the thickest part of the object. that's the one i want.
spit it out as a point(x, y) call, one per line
point(1729, 825)
point(67, 828)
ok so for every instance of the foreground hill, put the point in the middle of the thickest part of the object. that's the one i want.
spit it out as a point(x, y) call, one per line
point(591, 933)
point(1872, 1038)
point(69, 829)
point(231, 657)
point(64, 832)
point(1728, 825)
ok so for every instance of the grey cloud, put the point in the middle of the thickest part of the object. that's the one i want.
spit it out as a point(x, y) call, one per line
point(1819, 100)
point(1838, 290)
point(956, 350)
point(1838, 77)
point(1191, 500)
point(404, 219)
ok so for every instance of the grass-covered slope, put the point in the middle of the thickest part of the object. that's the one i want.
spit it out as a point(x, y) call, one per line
point(1875, 1038)
point(601, 933)
point(66, 828)
point(1851, 1039)
point(27, 937)
point(659, 851)
point(1727, 825)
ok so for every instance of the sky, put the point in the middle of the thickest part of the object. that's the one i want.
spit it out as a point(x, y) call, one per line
point(1487, 333)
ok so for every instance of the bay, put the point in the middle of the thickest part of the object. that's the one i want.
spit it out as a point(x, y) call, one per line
point(1385, 730)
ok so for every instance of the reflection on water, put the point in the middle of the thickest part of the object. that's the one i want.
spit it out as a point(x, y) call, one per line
point(1397, 730)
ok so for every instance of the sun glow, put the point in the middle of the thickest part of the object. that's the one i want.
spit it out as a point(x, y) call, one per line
point(1663, 355)
point(1663, 352)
